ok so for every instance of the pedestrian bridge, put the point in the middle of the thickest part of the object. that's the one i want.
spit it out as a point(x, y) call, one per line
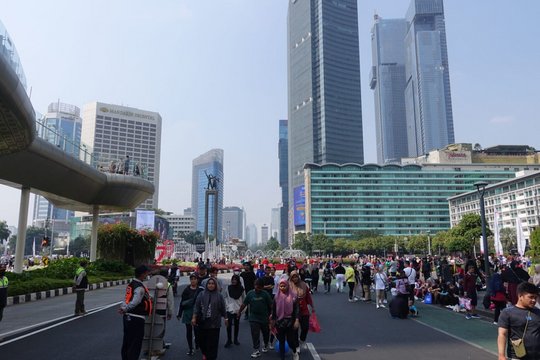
point(32, 164)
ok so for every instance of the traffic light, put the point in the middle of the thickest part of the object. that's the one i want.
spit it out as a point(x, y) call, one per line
point(45, 242)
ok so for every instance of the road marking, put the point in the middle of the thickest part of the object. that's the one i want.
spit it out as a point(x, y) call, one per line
point(457, 337)
point(71, 318)
point(313, 352)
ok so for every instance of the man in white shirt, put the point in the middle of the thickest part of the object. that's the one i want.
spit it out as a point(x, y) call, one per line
point(410, 272)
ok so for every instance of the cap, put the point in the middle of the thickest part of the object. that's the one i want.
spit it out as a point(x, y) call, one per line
point(141, 269)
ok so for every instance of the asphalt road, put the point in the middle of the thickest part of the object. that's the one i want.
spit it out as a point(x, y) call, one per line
point(349, 331)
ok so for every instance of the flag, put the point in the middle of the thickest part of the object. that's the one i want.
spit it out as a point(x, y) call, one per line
point(34, 248)
point(481, 244)
point(497, 238)
point(520, 237)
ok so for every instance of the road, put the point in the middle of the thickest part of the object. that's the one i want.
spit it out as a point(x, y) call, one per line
point(349, 331)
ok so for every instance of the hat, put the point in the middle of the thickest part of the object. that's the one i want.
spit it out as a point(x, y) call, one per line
point(141, 269)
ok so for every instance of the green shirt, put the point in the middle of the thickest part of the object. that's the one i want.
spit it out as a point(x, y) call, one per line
point(259, 304)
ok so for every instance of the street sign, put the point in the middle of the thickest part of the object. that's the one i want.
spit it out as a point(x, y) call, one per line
point(200, 248)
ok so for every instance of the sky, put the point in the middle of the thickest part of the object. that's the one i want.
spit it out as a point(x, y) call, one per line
point(216, 71)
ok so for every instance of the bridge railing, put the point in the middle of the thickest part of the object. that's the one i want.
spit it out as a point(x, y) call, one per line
point(9, 52)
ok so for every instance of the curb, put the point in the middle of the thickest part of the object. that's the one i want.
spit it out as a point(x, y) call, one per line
point(21, 299)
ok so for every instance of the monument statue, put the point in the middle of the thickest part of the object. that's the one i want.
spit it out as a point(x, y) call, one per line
point(212, 181)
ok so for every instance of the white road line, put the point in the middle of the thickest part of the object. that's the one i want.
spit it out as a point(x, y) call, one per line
point(457, 338)
point(72, 318)
point(313, 352)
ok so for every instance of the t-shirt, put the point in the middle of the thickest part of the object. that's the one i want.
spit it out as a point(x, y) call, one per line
point(259, 306)
point(393, 266)
point(514, 319)
point(411, 274)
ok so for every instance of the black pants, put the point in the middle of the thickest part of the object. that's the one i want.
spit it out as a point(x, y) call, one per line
point(190, 331)
point(289, 334)
point(327, 284)
point(79, 303)
point(133, 337)
point(256, 329)
point(314, 284)
point(351, 289)
point(499, 306)
point(233, 320)
point(304, 327)
point(1, 312)
point(209, 342)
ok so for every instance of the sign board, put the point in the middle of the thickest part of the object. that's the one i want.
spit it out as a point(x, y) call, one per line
point(299, 206)
point(200, 248)
point(145, 219)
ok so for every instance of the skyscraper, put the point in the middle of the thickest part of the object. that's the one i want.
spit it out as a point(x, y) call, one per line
point(251, 235)
point(428, 100)
point(283, 154)
point(233, 223)
point(388, 82)
point(275, 224)
point(324, 100)
point(209, 163)
point(62, 127)
point(264, 235)
point(115, 131)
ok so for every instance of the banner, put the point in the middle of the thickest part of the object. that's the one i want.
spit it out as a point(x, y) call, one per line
point(497, 235)
point(299, 206)
point(145, 219)
point(481, 244)
point(520, 237)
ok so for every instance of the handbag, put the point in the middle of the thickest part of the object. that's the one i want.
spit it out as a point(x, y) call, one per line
point(428, 299)
point(518, 345)
point(314, 325)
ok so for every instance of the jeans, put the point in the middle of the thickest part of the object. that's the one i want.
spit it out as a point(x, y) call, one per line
point(190, 331)
point(79, 303)
point(233, 320)
point(289, 334)
point(256, 329)
point(133, 337)
point(304, 327)
point(327, 285)
point(340, 279)
point(351, 289)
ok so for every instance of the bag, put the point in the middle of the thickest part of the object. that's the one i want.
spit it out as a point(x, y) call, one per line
point(428, 299)
point(518, 345)
point(465, 303)
point(314, 325)
point(499, 296)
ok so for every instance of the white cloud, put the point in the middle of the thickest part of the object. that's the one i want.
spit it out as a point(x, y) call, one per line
point(502, 119)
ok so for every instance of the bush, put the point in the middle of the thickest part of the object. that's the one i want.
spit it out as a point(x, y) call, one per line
point(113, 266)
point(38, 284)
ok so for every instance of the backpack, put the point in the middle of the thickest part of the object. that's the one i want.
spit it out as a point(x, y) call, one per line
point(327, 274)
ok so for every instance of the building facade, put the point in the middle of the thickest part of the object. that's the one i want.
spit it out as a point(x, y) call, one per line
point(265, 235)
point(389, 199)
point(116, 132)
point(387, 81)
point(180, 225)
point(507, 202)
point(324, 98)
point(209, 163)
point(275, 224)
point(283, 153)
point(233, 223)
point(428, 100)
point(61, 126)
point(251, 235)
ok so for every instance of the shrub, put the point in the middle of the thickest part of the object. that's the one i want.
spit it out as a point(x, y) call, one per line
point(38, 284)
point(114, 266)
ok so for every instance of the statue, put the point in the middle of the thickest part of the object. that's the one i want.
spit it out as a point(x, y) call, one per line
point(212, 181)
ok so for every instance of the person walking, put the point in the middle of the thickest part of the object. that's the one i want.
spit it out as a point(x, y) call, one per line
point(410, 272)
point(381, 281)
point(185, 311)
point(340, 277)
point(234, 298)
point(350, 278)
point(520, 322)
point(285, 318)
point(248, 276)
point(315, 277)
point(497, 294)
point(327, 277)
point(136, 307)
point(80, 284)
point(366, 281)
point(4, 282)
point(469, 287)
point(259, 305)
point(305, 301)
point(513, 276)
point(207, 314)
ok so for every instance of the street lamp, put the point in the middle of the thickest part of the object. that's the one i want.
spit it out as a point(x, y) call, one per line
point(481, 188)
point(429, 242)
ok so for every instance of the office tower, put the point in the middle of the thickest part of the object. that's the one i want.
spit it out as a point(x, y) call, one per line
point(115, 132)
point(233, 223)
point(251, 235)
point(324, 104)
point(275, 224)
point(283, 154)
point(427, 94)
point(180, 225)
point(388, 82)
point(62, 126)
point(209, 163)
point(264, 235)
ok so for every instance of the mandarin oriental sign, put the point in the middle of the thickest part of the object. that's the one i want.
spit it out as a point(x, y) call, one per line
point(126, 113)
point(457, 155)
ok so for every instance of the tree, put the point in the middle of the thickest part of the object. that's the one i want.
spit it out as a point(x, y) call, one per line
point(467, 233)
point(362, 234)
point(302, 242)
point(272, 244)
point(508, 239)
point(4, 231)
point(194, 237)
point(322, 243)
point(417, 244)
point(120, 242)
point(535, 243)
point(80, 245)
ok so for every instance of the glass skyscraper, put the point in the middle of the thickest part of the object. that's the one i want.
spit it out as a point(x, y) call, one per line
point(210, 163)
point(427, 94)
point(388, 82)
point(324, 99)
point(283, 154)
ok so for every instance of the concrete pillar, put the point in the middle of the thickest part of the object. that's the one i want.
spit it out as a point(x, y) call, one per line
point(21, 231)
point(93, 239)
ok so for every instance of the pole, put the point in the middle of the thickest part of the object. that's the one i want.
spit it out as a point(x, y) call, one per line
point(484, 237)
point(21, 231)
point(93, 238)
point(429, 242)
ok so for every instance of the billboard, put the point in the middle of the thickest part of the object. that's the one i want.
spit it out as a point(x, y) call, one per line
point(145, 219)
point(299, 206)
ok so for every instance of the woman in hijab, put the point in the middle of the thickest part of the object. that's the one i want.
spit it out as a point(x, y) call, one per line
point(209, 309)
point(304, 300)
point(285, 311)
point(234, 298)
point(513, 276)
point(185, 311)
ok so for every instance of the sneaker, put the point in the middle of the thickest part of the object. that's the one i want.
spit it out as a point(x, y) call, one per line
point(385, 301)
point(377, 306)
point(296, 355)
point(382, 306)
point(351, 300)
point(190, 353)
point(265, 348)
point(476, 316)
point(228, 344)
point(495, 323)
point(468, 317)
point(256, 354)
point(356, 298)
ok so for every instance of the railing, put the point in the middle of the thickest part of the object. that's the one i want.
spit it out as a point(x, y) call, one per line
point(8, 51)
point(84, 152)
